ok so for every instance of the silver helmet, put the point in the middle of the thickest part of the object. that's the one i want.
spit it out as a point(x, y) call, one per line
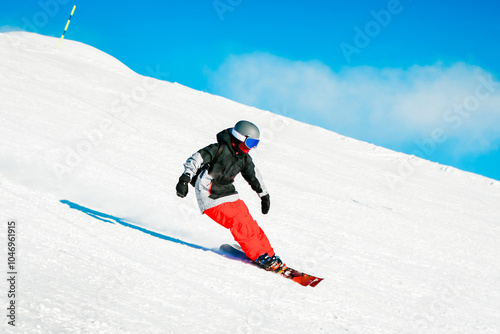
point(246, 132)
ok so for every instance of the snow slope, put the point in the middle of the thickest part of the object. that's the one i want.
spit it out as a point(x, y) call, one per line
point(405, 245)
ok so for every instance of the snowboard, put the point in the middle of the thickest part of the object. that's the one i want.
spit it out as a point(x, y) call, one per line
point(235, 253)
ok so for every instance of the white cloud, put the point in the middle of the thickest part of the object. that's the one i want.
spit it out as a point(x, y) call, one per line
point(389, 106)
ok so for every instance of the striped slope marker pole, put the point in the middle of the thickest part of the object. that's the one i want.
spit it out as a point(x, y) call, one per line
point(67, 24)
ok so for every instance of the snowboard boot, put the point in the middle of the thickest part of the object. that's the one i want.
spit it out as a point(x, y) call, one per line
point(270, 263)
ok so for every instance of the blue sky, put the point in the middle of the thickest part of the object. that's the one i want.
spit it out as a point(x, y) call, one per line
point(416, 76)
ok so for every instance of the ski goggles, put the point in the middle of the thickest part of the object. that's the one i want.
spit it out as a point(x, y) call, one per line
point(249, 142)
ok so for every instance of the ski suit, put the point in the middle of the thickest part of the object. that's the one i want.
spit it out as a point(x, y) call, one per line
point(218, 198)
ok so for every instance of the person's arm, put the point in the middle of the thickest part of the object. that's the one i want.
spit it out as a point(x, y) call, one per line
point(192, 165)
point(252, 175)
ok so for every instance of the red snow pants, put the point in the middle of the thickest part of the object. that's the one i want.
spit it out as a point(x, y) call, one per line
point(245, 230)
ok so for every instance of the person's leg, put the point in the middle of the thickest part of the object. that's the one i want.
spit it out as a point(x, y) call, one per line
point(245, 230)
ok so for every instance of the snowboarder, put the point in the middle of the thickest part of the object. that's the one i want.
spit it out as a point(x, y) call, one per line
point(212, 170)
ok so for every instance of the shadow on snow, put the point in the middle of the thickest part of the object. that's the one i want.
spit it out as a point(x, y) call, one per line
point(116, 220)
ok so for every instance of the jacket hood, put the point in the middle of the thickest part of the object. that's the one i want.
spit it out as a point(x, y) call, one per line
point(224, 137)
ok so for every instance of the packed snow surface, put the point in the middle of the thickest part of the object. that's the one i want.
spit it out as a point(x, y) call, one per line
point(404, 245)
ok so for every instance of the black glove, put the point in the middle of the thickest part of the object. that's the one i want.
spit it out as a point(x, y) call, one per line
point(182, 185)
point(266, 203)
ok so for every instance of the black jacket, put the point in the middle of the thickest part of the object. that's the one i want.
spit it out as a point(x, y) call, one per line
point(215, 186)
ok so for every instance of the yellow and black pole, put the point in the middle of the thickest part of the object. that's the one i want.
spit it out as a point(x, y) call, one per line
point(67, 24)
